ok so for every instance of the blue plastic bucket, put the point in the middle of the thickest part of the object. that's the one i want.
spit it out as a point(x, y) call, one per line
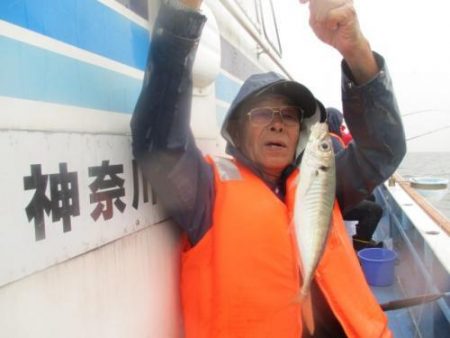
point(378, 265)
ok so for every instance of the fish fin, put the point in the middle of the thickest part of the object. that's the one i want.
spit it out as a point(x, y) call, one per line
point(307, 313)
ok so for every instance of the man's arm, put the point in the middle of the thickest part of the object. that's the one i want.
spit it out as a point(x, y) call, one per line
point(163, 143)
point(369, 105)
point(372, 115)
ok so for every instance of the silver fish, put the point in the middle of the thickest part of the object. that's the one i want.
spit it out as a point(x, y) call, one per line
point(314, 201)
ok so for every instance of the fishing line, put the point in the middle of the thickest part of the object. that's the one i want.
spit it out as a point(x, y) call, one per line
point(414, 301)
point(427, 133)
point(416, 112)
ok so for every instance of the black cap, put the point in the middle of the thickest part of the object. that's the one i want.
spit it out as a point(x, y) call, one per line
point(296, 92)
point(273, 83)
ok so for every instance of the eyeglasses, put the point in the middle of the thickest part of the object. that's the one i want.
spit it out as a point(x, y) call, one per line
point(263, 116)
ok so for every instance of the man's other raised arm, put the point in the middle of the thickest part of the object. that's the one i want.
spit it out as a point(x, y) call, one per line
point(369, 104)
point(162, 140)
point(162, 113)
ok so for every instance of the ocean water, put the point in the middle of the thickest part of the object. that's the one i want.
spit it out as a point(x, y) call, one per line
point(429, 164)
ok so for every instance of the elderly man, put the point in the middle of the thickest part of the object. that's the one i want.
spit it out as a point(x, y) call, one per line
point(240, 275)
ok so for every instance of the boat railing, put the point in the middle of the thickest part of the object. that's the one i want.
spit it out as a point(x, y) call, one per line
point(419, 235)
point(442, 221)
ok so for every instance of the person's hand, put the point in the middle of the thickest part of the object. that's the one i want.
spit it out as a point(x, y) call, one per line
point(335, 22)
point(195, 4)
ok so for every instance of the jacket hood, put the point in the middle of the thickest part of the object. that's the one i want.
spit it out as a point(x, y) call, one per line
point(334, 120)
point(274, 83)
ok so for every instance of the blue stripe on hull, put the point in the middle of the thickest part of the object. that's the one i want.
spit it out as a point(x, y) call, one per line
point(86, 24)
point(226, 88)
point(32, 73)
point(37, 74)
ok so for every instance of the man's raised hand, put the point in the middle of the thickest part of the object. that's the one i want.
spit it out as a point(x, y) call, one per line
point(335, 22)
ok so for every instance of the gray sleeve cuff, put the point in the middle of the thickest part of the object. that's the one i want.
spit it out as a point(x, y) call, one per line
point(181, 23)
point(348, 81)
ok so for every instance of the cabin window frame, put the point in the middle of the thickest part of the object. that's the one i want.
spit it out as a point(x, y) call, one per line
point(256, 20)
point(276, 45)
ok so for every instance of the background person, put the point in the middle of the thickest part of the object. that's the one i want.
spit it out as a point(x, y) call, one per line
point(367, 212)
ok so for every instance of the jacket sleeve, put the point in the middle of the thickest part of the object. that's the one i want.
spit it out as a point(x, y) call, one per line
point(162, 140)
point(372, 115)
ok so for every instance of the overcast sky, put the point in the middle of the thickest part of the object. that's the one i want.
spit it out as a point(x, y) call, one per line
point(412, 35)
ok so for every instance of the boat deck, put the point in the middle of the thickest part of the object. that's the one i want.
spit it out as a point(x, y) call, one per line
point(420, 269)
point(400, 321)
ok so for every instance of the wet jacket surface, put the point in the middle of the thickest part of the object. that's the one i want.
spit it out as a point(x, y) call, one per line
point(164, 145)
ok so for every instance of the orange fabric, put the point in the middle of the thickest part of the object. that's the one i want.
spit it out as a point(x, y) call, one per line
point(344, 145)
point(340, 277)
point(242, 279)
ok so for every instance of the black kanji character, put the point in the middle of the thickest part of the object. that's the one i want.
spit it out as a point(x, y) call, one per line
point(144, 187)
point(107, 196)
point(64, 201)
point(64, 195)
point(39, 203)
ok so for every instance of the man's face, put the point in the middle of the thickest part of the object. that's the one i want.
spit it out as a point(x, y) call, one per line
point(271, 146)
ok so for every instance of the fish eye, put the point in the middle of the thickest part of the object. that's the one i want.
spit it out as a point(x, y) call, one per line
point(324, 146)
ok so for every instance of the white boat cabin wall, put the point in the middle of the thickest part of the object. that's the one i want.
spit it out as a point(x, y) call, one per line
point(86, 250)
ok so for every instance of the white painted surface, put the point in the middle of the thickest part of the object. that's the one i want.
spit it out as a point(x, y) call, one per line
point(228, 15)
point(207, 61)
point(433, 234)
point(126, 289)
point(103, 278)
point(21, 114)
point(21, 251)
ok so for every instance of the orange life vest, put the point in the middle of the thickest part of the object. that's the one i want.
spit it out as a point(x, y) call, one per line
point(242, 279)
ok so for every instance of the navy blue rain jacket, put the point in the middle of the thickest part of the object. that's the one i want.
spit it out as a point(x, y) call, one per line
point(165, 148)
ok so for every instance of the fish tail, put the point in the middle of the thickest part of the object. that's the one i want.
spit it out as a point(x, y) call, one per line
point(307, 312)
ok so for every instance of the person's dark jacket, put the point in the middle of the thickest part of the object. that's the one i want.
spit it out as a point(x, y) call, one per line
point(334, 120)
point(164, 146)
